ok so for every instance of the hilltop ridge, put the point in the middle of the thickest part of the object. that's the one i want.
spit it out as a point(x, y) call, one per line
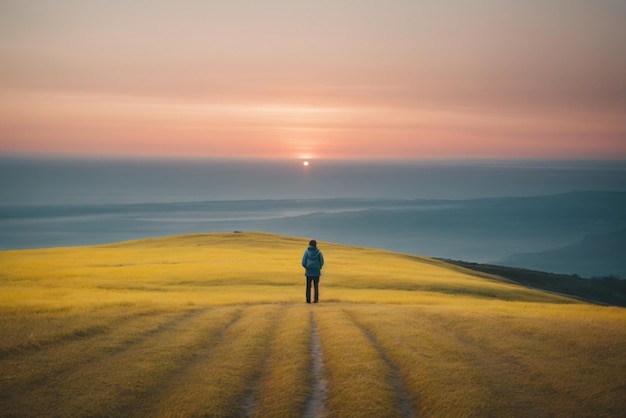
point(197, 263)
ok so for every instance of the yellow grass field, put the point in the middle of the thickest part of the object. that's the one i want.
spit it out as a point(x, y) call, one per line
point(216, 325)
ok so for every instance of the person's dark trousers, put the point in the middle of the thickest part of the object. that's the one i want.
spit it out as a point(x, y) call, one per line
point(315, 280)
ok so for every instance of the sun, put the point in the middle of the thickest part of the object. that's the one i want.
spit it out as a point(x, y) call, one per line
point(305, 163)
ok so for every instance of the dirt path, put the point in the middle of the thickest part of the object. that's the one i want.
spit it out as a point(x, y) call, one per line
point(315, 406)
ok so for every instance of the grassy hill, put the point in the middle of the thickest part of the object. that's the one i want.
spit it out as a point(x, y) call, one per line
point(216, 325)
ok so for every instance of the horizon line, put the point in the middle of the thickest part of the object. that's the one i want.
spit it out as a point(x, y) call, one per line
point(182, 158)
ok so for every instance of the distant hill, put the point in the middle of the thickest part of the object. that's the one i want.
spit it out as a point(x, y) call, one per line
point(594, 255)
point(481, 230)
point(609, 291)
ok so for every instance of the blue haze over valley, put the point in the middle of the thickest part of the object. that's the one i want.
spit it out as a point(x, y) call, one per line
point(559, 216)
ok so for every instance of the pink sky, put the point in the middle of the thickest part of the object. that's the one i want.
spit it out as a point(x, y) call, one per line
point(319, 79)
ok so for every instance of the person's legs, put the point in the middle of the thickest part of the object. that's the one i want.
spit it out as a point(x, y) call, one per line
point(316, 285)
point(308, 289)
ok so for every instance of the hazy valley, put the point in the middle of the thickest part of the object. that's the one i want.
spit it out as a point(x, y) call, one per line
point(487, 230)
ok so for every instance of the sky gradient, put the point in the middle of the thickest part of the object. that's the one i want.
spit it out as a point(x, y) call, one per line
point(314, 79)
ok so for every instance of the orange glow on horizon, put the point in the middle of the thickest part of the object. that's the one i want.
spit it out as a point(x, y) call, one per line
point(115, 125)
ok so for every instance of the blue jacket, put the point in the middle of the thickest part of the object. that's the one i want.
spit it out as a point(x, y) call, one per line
point(313, 261)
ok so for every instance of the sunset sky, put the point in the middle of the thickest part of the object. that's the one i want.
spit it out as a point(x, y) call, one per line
point(314, 79)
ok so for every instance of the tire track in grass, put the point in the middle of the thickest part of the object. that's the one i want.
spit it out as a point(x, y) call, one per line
point(219, 381)
point(30, 370)
point(99, 327)
point(249, 399)
point(405, 407)
point(511, 357)
point(163, 360)
point(460, 374)
point(498, 372)
point(284, 386)
point(43, 343)
point(316, 404)
point(147, 403)
point(436, 372)
point(491, 374)
point(104, 385)
point(248, 402)
point(359, 380)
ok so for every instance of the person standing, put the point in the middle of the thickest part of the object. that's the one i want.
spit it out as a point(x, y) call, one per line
point(312, 261)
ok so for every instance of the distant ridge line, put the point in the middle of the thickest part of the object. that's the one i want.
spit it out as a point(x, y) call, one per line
point(600, 291)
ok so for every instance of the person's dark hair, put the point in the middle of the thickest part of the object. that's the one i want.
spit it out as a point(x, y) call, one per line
point(313, 243)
